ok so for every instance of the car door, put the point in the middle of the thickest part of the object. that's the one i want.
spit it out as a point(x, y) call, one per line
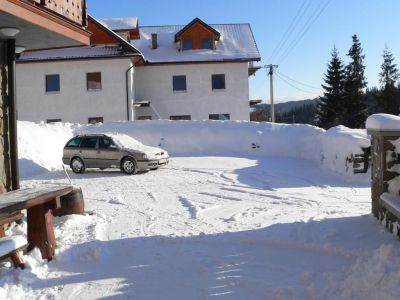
point(108, 155)
point(88, 151)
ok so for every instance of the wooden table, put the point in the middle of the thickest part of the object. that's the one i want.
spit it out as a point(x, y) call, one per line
point(39, 203)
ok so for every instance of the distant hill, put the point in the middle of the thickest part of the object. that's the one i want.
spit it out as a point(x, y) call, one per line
point(285, 107)
point(301, 111)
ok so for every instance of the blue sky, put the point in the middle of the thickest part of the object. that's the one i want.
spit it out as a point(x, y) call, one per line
point(376, 22)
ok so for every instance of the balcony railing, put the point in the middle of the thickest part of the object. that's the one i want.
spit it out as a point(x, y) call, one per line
point(73, 10)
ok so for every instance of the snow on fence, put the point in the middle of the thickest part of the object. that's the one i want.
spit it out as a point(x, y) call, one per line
point(339, 149)
point(385, 153)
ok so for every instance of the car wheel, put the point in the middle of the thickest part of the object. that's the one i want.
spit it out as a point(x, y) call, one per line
point(128, 166)
point(77, 165)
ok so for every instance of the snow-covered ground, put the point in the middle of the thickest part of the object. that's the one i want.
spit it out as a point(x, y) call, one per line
point(244, 225)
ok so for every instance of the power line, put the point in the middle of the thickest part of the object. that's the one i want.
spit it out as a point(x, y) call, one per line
point(295, 87)
point(307, 26)
point(298, 82)
point(299, 15)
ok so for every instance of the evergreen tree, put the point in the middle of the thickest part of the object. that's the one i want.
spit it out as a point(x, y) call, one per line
point(389, 94)
point(330, 105)
point(354, 108)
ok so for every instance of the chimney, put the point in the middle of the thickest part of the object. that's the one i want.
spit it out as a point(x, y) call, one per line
point(154, 43)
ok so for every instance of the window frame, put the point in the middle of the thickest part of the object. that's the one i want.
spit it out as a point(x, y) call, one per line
point(212, 82)
point(227, 117)
point(173, 84)
point(46, 76)
point(87, 82)
point(207, 40)
point(180, 118)
point(51, 121)
point(75, 138)
point(184, 48)
point(95, 118)
point(89, 137)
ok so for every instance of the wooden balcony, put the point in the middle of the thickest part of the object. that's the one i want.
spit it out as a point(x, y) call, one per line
point(72, 10)
point(46, 23)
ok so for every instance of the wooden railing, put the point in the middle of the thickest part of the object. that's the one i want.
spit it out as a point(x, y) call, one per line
point(73, 10)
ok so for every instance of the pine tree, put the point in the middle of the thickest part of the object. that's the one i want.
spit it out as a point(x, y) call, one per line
point(354, 108)
point(329, 107)
point(388, 99)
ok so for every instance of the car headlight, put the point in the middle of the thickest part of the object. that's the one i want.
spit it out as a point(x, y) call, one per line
point(144, 156)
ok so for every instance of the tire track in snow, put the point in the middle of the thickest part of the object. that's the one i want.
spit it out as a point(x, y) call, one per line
point(189, 206)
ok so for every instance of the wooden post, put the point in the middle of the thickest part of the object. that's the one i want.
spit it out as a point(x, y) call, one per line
point(41, 231)
point(380, 148)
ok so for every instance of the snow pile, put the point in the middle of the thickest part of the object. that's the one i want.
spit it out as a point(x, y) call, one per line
point(383, 122)
point(374, 277)
point(40, 146)
point(42, 143)
point(338, 144)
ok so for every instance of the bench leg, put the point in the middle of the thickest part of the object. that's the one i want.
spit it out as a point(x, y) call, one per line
point(41, 230)
point(17, 260)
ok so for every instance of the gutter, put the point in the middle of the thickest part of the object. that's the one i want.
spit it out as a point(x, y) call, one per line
point(127, 91)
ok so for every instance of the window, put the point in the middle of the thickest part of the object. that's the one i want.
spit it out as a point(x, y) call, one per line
point(95, 120)
point(105, 143)
point(89, 142)
point(179, 83)
point(218, 81)
point(93, 81)
point(183, 117)
point(208, 44)
point(52, 83)
point(49, 121)
point(219, 117)
point(74, 143)
point(145, 118)
point(187, 45)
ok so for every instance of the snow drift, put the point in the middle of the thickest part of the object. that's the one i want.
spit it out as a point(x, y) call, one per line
point(40, 145)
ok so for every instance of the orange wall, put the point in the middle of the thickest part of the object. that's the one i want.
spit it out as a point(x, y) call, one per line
point(100, 37)
point(197, 33)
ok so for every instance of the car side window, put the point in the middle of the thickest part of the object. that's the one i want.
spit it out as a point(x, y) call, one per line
point(74, 143)
point(89, 142)
point(105, 143)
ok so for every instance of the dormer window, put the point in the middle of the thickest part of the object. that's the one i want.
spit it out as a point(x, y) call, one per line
point(187, 45)
point(208, 44)
point(197, 35)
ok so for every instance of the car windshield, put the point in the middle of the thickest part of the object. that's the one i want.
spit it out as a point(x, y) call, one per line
point(125, 141)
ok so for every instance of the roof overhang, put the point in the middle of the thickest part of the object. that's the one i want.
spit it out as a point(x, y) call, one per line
point(40, 29)
point(202, 23)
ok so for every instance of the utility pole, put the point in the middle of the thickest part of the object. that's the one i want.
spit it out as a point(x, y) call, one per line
point(271, 83)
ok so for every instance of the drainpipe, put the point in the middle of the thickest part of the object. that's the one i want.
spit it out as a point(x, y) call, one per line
point(13, 115)
point(127, 92)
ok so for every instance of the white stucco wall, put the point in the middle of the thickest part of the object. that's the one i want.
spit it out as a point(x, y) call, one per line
point(154, 83)
point(73, 103)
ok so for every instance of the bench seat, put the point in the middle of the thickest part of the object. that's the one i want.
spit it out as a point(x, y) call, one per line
point(10, 248)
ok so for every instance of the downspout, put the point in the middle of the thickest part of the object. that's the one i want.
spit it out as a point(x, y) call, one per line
point(13, 115)
point(127, 91)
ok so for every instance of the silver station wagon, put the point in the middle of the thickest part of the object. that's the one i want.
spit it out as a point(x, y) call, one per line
point(112, 151)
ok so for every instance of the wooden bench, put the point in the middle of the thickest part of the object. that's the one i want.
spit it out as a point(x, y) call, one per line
point(391, 203)
point(39, 203)
point(6, 219)
point(11, 248)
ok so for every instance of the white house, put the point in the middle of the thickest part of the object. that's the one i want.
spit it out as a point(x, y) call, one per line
point(197, 72)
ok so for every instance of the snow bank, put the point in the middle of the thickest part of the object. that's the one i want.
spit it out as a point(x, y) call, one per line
point(383, 122)
point(42, 143)
point(40, 146)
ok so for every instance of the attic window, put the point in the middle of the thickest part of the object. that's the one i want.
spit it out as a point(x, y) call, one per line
point(208, 44)
point(187, 45)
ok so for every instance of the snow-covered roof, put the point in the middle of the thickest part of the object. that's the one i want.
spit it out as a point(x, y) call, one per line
point(237, 43)
point(75, 53)
point(120, 23)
